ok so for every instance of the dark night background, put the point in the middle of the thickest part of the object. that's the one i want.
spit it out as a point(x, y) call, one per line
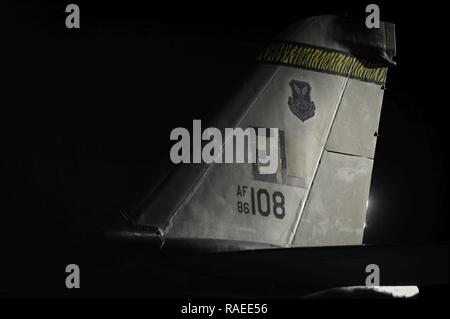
point(86, 116)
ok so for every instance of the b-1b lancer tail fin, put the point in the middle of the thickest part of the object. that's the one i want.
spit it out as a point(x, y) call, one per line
point(319, 87)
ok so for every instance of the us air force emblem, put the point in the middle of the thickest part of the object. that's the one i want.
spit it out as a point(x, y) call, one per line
point(300, 102)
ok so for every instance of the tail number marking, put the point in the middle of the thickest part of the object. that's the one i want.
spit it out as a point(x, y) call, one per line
point(261, 202)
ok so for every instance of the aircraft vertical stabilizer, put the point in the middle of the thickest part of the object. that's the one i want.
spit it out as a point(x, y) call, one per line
point(320, 85)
